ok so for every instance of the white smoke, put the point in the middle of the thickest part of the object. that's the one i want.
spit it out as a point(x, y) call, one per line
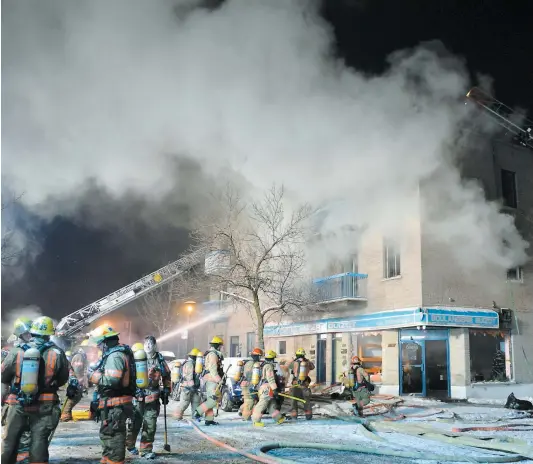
point(105, 90)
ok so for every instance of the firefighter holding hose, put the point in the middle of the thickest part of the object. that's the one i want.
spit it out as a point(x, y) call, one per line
point(210, 364)
point(268, 391)
point(300, 368)
point(249, 390)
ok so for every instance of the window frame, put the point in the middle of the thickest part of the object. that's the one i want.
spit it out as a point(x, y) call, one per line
point(284, 347)
point(393, 245)
point(518, 274)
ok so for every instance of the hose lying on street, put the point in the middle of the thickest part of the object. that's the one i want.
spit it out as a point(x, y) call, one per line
point(381, 451)
point(509, 445)
point(264, 459)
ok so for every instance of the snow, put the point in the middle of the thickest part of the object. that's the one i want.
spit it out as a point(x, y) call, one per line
point(78, 442)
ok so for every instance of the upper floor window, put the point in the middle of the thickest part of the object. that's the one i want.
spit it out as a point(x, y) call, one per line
point(515, 274)
point(509, 189)
point(391, 259)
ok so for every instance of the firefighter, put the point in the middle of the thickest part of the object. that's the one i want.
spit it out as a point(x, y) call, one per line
point(190, 386)
point(269, 399)
point(35, 371)
point(21, 332)
point(300, 368)
point(79, 363)
point(212, 376)
point(358, 380)
point(74, 394)
point(249, 391)
point(114, 377)
point(147, 406)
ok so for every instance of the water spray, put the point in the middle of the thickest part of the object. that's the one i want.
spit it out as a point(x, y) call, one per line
point(187, 327)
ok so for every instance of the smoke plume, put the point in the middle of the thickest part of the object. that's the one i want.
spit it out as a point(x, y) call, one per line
point(104, 91)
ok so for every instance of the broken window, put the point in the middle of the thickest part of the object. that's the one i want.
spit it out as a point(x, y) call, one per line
point(490, 358)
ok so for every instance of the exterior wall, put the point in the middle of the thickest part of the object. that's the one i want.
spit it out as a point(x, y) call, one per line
point(390, 373)
point(445, 284)
point(398, 292)
point(459, 355)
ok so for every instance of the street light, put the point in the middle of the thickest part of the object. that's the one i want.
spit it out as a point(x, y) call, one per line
point(189, 306)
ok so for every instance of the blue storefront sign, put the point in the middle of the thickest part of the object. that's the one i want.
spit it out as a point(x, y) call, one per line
point(485, 319)
point(413, 317)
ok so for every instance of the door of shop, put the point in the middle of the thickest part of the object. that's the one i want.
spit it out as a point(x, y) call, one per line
point(321, 358)
point(424, 366)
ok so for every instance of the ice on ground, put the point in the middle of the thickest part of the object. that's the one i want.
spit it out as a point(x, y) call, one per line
point(79, 442)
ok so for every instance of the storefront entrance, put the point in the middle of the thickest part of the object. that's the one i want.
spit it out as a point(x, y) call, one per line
point(424, 363)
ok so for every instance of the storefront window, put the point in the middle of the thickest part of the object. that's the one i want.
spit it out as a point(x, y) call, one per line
point(370, 352)
point(490, 358)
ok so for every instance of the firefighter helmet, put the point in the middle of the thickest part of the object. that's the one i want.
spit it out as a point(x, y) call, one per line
point(216, 341)
point(356, 360)
point(85, 343)
point(42, 326)
point(194, 352)
point(257, 352)
point(22, 325)
point(102, 333)
point(300, 352)
point(137, 346)
point(270, 354)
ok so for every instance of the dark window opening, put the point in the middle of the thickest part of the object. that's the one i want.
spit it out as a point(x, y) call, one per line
point(515, 274)
point(391, 259)
point(509, 189)
point(234, 349)
point(282, 347)
point(487, 356)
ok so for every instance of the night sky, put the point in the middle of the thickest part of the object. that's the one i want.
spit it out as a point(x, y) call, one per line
point(79, 265)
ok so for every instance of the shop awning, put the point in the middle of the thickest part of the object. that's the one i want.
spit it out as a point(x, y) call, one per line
point(400, 318)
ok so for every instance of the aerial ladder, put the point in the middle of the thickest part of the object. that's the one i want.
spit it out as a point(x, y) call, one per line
point(81, 318)
point(509, 119)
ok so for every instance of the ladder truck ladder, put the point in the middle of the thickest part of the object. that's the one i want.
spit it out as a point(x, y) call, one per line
point(83, 317)
point(516, 124)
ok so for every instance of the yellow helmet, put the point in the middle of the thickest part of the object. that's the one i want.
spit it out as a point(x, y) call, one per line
point(42, 326)
point(270, 354)
point(195, 352)
point(103, 332)
point(85, 343)
point(22, 325)
point(300, 352)
point(137, 346)
point(216, 341)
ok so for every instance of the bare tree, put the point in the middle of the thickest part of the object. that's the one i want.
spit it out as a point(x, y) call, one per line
point(266, 254)
point(10, 250)
point(160, 307)
point(157, 309)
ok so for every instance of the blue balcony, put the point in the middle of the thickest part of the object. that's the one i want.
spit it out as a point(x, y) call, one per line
point(348, 286)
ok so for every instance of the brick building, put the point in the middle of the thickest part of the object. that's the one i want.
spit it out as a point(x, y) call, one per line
point(421, 325)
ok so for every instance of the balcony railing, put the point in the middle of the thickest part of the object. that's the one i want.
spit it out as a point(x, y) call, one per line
point(339, 287)
point(218, 306)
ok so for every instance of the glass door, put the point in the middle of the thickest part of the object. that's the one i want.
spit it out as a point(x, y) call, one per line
point(413, 370)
